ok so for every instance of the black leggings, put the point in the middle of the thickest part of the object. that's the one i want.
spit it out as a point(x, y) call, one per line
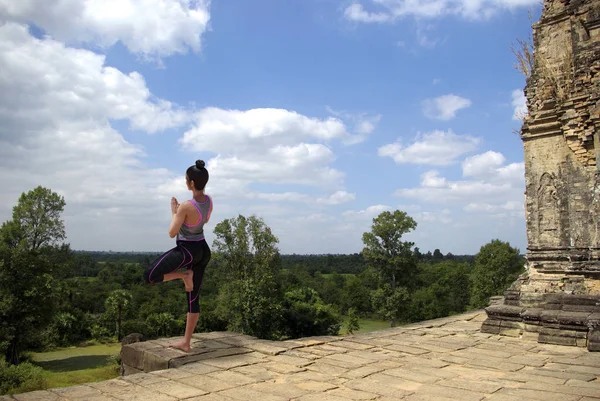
point(193, 255)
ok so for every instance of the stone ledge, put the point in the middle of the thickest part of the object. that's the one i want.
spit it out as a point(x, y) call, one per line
point(565, 319)
point(440, 359)
point(229, 347)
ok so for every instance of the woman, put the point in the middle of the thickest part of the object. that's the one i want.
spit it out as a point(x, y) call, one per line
point(192, 252)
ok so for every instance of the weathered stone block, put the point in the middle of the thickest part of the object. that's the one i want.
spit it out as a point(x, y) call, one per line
point(505, 311)
point(491, 326)
point(590, 300)
point(549, 316)
point(152, 361)
point(581, 308)
point(127, 370)
point(532, 315)
point(132, 356)
point(558, 340)
point(593, 339)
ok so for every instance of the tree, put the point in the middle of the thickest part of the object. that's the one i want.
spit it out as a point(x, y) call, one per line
point(250, 300)
point(497, 265)
point(305, 315)
point(352, 322)
point(417, 254)
point(117, 301)
point(248, 247)
point(392, 257)
point(37, 214)
point(31, 260)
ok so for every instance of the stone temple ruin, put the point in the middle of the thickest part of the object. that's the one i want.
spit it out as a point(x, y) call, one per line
point(557, 300)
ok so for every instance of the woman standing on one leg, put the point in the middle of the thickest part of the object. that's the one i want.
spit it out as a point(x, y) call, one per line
point(192, 252)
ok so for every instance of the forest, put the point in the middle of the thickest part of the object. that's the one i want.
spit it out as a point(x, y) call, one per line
point(52, 296)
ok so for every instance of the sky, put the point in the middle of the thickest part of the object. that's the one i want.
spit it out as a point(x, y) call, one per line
point(315, 115)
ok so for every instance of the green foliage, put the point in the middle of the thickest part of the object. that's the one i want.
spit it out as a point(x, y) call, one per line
point(250, 300)
point(391, 304)
point(444, 289)
point(305, 314)
point(20, 378)
point(37, 215)
point(115, 304)
point(357, 297)
point(31, 263)
point(352, 321)
point(164, 324)
point(393, 258)
point(497, 265)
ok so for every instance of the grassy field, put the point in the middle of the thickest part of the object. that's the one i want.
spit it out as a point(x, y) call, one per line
point(367, 325)
point(77, 365)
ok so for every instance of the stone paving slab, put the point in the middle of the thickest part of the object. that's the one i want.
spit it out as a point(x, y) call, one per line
point(444, 359)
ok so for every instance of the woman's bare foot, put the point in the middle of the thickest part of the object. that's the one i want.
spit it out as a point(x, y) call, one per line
point(188, 279)
point(182, 345)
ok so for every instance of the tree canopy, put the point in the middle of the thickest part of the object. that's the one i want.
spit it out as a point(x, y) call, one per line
point(27, 275)
point(391, 256)
point(497, 265)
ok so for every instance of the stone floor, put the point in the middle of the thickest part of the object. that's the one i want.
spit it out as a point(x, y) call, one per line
point(444, 359)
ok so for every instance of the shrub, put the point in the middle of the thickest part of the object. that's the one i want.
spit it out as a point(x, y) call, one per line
point(21, 378)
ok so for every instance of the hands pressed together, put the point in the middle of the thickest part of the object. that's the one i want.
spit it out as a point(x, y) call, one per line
point(174, 205)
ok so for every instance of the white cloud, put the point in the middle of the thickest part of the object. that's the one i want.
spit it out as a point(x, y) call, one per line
point(270, 146)
point(45, 81)
point(356, 12)
point(337, 198)
point(444, 107)
point(492, 181)
point(363, 124)
point(511, 206)
point(489, 166)
point(368, 213)
point(252, 131)
point(432, 179)
point(146, 27)
point(443, 217)
point(519, 104)
point(56, 105)
point(435, 148)
point(392, 10)
point(482, 165)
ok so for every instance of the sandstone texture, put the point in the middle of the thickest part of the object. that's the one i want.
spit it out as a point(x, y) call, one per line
point(558, 299)
point(442, 359)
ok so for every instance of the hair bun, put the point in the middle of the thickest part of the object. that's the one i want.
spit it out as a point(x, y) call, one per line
point(200, 164)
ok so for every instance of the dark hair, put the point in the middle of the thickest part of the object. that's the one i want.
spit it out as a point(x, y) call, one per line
point(198, 174)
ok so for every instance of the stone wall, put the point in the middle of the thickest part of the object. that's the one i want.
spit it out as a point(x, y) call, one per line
point(562, 180)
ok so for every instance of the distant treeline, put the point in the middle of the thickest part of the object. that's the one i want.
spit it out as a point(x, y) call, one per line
point(323, 263)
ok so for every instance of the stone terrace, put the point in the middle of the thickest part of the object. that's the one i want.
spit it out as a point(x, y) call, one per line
point(443, 359)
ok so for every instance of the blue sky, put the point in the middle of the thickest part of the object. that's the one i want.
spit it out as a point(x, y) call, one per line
point(315, 115)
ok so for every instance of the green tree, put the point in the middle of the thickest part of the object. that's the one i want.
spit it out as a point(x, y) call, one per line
point(38, 215)
point(392, 257)
point(31, 260)
point(115, 304)
point(250, 300)
point(497, 265)
point(307, 315)
point(163, 323)
point(352, 321)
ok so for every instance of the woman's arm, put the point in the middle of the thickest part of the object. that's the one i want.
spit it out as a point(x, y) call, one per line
point(209, 209)
point(178, 217)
